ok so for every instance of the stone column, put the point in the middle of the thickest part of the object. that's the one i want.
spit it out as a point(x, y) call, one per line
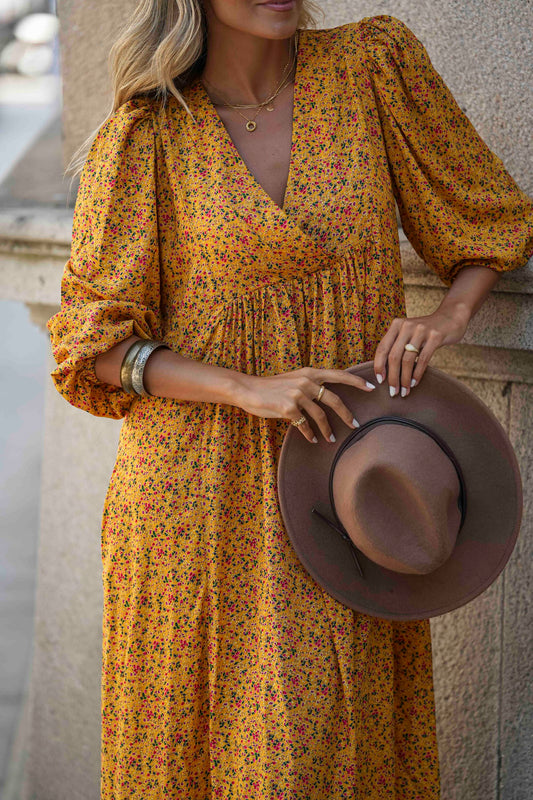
point(58, 747)
point(86, 35)
point(482, 653)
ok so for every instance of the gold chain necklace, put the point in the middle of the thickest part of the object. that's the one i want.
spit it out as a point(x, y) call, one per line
point(251, 124)
point(263, 102)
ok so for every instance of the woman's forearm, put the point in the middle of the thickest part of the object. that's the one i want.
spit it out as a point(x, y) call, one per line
point(469, 291)
point(169, 374)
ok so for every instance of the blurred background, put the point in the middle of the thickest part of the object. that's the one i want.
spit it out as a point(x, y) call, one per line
point(55, 461)
point(29, 74)
point(30, 102)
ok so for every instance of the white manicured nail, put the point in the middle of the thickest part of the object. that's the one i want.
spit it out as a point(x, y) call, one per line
point(392, 391)
point(379, 378)
point(332, 438)
point(404, 391)
point(413, 382)
point(314, 440)
point(355, 423)
point(370, 385)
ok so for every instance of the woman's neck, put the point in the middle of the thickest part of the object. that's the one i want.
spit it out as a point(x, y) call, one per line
point(244, 68)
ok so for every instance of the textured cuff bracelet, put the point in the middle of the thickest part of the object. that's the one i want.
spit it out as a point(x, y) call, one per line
point(143, 354)
point(127, 365)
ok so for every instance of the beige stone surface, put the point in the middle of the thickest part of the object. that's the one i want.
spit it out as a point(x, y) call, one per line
point(516, 722)
point(467, 672)
point(86, 35)
point(488, 363)
point(34, 246)
point(64, 743)
point(504, 320)
point(38, 178)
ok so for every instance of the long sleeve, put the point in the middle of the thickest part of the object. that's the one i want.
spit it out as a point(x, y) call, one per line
point(458, 204)
point(110, 288)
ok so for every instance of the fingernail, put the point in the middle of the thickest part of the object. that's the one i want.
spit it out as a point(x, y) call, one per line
point(314, 440)
point(332, 438)
point(355, 423)
point(379, 378)
point(413, 382)
point(404, 391)
point(370, 385)
point(392, 391)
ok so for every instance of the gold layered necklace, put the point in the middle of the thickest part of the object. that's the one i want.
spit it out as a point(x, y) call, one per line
point(251, 124)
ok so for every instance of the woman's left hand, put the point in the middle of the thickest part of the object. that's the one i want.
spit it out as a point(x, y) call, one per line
point(392, 361)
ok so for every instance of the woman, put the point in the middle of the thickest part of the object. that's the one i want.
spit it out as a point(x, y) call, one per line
point(261, 247)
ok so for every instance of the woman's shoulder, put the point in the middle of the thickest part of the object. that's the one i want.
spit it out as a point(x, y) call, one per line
point(370, 36)
point(133, 114)
point(125, 138)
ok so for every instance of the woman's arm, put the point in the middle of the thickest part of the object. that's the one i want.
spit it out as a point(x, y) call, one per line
point(460, 209)
point(169, 374)
point(446, 325)
point(287, 395)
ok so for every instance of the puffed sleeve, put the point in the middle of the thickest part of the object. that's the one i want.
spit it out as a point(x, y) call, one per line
point(110, 288)
point(458, 204)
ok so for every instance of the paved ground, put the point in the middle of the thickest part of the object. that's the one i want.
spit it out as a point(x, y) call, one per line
point(22, 367)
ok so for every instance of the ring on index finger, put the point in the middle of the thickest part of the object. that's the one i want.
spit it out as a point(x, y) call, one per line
point(320, 392)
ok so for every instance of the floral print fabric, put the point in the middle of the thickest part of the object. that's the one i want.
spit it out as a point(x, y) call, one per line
point(227, 672)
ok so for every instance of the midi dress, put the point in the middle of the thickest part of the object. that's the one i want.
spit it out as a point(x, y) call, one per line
point(227, 671)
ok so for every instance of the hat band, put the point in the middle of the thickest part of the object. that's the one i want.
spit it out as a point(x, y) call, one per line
point(364, 428)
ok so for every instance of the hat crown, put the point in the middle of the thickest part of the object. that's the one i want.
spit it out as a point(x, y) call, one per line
point(396, 493)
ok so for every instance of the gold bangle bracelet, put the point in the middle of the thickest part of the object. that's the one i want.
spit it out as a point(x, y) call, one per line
point(126, 367)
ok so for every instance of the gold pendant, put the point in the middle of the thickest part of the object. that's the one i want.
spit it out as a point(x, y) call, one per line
point(270, 107)
point(251, 125)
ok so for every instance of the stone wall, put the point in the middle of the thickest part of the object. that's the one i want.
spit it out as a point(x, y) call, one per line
point(482, 652)
point(86, 34)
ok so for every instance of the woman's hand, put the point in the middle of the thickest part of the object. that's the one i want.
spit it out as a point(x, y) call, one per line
point(444, 326)
point(447, 325)
point(290, 395)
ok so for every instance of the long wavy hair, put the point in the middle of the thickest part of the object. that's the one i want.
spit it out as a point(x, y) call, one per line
point(161, 49)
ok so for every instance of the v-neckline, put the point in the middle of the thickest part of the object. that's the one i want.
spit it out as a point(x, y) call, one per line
point(244, 173)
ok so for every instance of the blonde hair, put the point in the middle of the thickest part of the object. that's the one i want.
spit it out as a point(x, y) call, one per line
point(161, 50)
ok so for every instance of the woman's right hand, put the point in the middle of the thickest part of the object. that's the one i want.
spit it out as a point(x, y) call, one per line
point(290, 395)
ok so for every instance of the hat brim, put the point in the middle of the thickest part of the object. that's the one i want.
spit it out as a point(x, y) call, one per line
point(493, 500)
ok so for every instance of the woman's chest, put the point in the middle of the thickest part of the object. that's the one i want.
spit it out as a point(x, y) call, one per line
point(265, 149)
point(231, 234)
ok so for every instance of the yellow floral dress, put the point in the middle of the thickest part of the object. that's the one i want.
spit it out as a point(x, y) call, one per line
point(227, 672)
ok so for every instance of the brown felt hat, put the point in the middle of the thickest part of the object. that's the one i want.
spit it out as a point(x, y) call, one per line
point(411, 515)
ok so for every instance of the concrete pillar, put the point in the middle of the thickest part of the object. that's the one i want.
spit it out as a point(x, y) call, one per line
point(64, 736)
point(86, 34)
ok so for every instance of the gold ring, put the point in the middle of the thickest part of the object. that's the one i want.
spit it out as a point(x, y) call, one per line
point(300, 421)
point(411, 348)
point(320, 392)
